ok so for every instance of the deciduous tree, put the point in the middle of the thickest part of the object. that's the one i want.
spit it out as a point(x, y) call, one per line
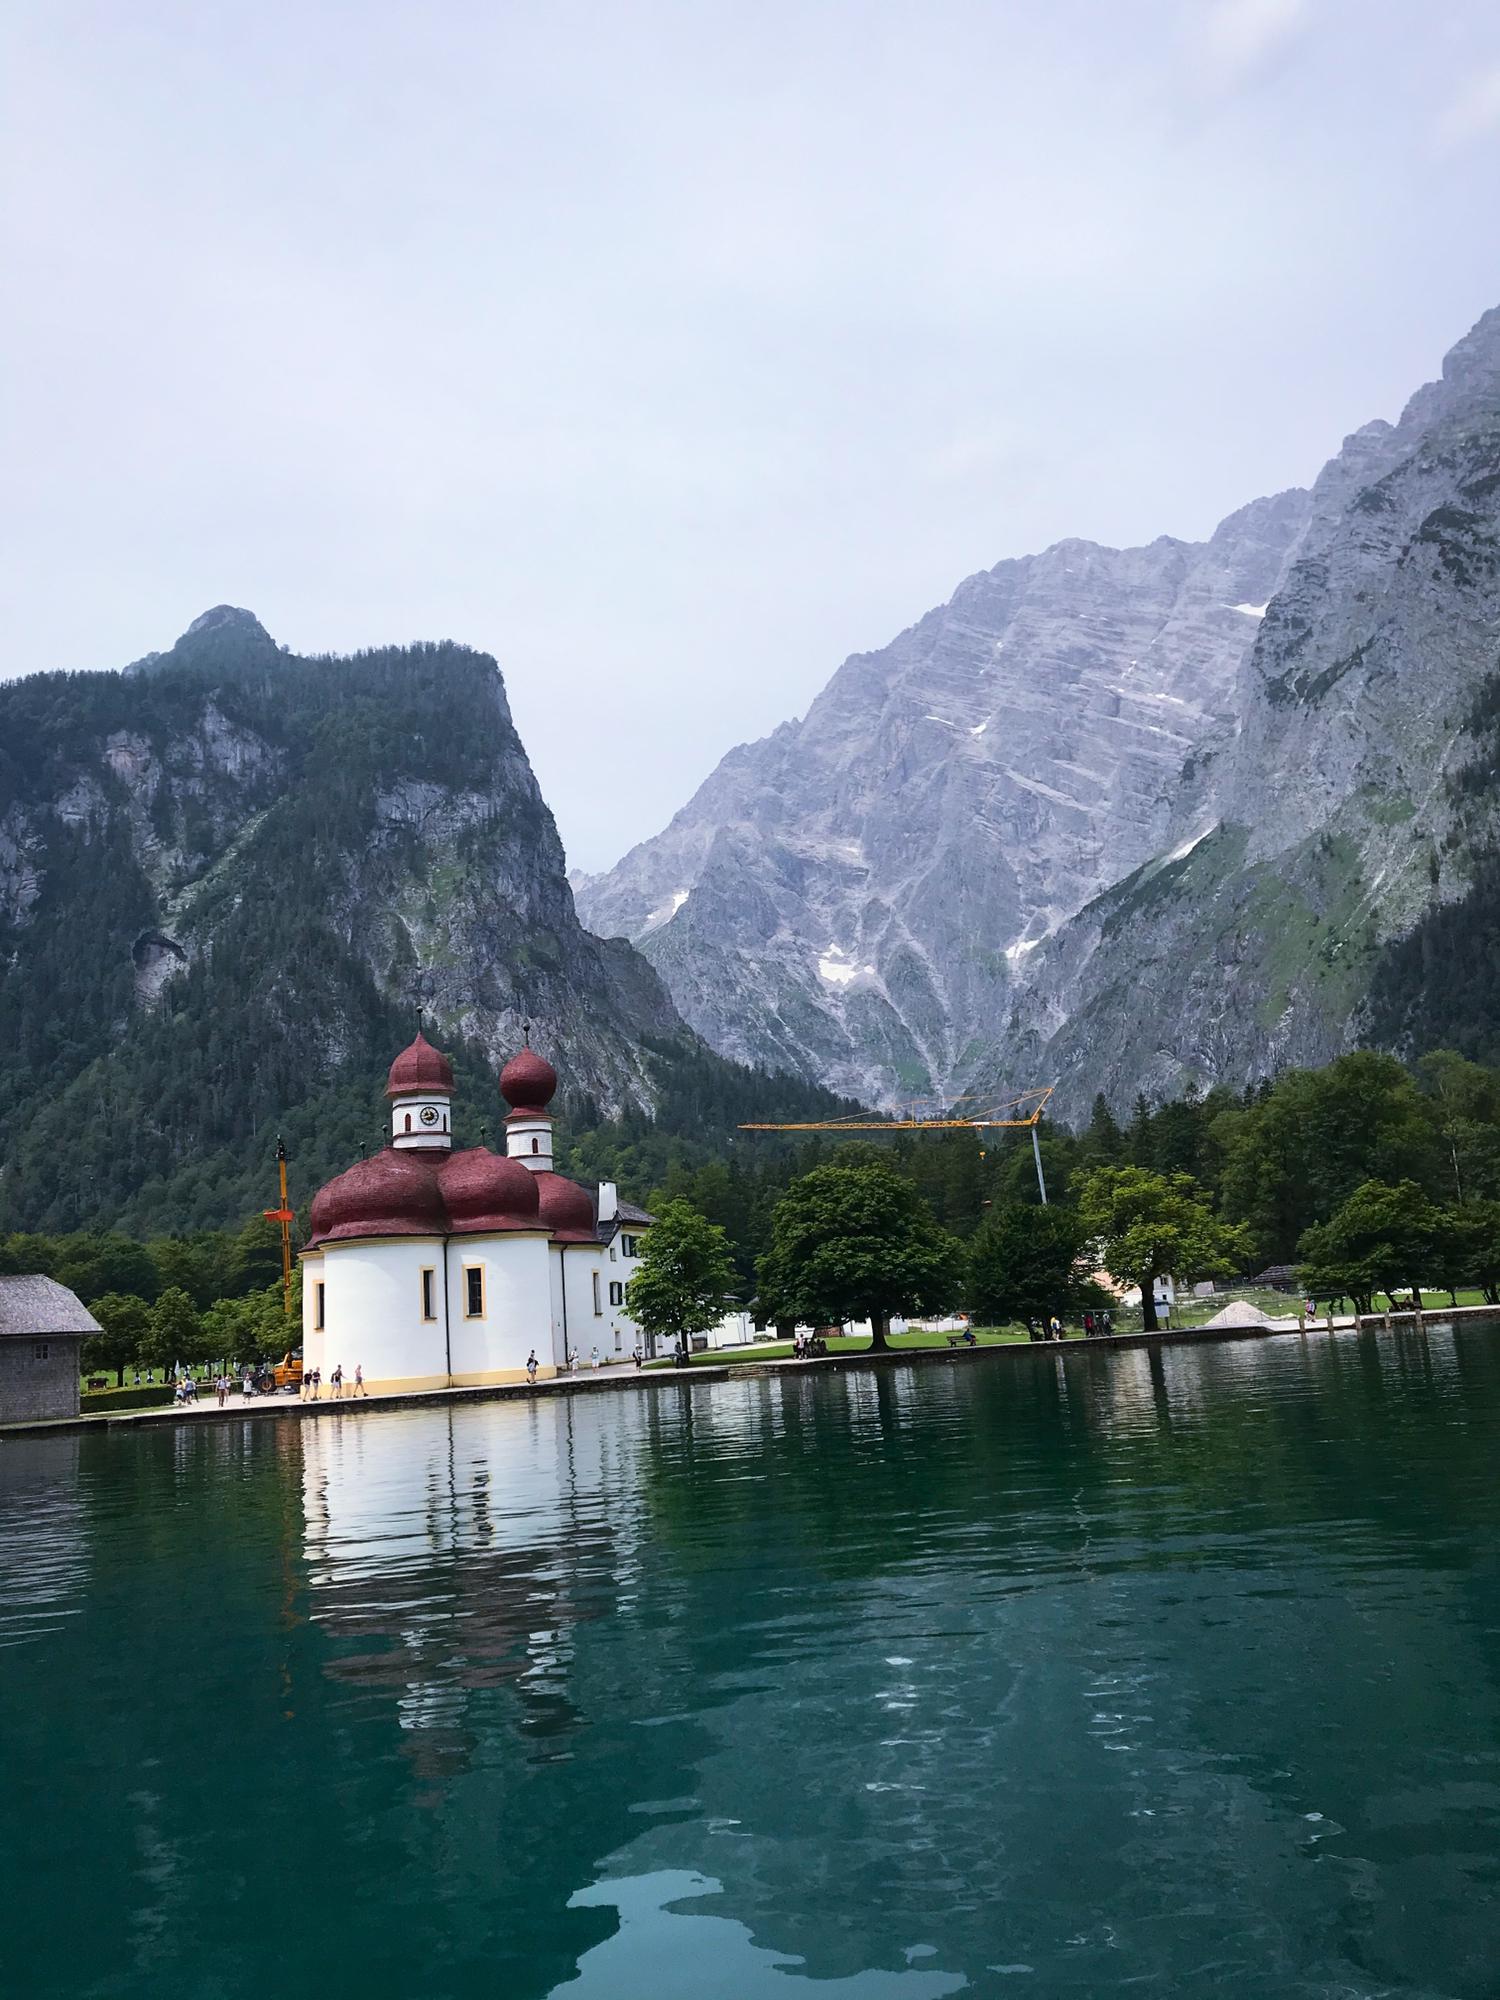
point(1382, 1237)
point(125, 1321)
point(858, 1242)
point(685, 1278)
point(1030, 1262)
point(1151, 1226)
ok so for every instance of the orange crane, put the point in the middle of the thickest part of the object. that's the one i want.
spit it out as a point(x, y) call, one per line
point(987, 1119)
point(285, 1216)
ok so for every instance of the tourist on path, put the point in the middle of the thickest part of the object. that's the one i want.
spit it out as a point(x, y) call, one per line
point(531, 1366)
point(359, 1379)
point(336, 1380)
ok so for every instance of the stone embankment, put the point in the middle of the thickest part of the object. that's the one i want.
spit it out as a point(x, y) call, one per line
point(628, 1377)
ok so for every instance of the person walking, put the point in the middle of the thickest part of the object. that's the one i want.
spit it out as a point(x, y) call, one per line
point(317, 1376)
point(594, 1360)
point(336, 1380)
point(359, 1379)
point(636, 1356)
point(531, 1367)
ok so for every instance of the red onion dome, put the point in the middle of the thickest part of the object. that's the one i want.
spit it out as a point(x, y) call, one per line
point(528, 1081)
point(390, 1194)
point(484, 1191)
point(566, 1209)
point(419, 1069)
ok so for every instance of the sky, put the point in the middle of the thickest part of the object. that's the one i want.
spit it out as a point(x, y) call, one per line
point(671, 352)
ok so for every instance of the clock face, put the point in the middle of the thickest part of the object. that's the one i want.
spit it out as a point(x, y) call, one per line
point(429, 1115)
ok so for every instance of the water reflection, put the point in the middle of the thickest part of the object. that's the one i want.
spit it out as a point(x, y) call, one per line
point(1058, 1673)
point(43, 1537)
point(446, 1555)
point(676, 1954)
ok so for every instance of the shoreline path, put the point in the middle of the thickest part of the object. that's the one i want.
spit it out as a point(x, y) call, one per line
point(619, 1376)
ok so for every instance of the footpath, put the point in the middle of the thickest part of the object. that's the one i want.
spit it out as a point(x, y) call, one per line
point(626, 1377)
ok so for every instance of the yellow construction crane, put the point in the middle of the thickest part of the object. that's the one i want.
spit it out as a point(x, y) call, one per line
point(286, 1217)
point(992, 1116)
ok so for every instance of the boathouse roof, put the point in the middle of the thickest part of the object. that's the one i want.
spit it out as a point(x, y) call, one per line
point(32, 1305)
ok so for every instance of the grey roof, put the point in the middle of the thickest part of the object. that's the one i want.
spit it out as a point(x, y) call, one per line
point(626, 1216)
point(34, 1304)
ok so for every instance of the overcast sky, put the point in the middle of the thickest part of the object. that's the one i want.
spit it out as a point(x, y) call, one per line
point(670, 352)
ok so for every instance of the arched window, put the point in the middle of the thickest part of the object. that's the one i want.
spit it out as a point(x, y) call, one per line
point(536, 1145)
point(408, 1121)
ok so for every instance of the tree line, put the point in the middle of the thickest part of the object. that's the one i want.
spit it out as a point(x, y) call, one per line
point(214, 1294)
point(1361, 1178)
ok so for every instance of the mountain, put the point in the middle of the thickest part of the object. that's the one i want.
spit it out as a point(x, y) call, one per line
point(854, 896)
point(230, 877)
point(1327, 879)
point(1127, 819)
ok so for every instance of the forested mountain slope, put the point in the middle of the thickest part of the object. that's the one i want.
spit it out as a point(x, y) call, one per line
point(229, 877)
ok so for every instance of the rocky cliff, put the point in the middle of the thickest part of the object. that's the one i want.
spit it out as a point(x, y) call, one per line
point(855, 896)
point(1340, 810)
point(1131, 818)
point(229, 877)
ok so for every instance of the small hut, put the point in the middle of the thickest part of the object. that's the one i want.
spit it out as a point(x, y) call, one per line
point(1276, 1278)
point(42, 1330)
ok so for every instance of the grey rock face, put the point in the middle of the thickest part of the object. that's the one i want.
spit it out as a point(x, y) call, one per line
point(1322, 825)
point(1127, 818)
point(854, 896)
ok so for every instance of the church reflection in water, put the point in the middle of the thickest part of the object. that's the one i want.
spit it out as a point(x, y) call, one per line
point(455, 1551)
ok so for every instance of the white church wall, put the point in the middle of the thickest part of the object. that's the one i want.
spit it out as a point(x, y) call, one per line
point(373, 1313)
point(588, 1323)
point(313, 1275)
point(517, 1307)
point(555, 1268)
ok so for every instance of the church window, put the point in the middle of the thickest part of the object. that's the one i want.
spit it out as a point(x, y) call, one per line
point(320, 1298)
point(536, 1145)
point(408, 1121)
point(597, 1307)
point(473, 1291)
point(429, 1293)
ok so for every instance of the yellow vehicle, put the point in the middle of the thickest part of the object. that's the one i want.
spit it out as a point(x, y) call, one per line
point(287, 1373)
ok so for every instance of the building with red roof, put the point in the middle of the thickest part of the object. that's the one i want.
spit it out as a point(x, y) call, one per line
point(428, 1267)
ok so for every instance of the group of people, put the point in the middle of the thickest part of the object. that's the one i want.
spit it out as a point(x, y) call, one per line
point(1095, 1325)
point(312, 1383)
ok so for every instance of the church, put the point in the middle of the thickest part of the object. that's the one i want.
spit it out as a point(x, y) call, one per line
point(428, 1268)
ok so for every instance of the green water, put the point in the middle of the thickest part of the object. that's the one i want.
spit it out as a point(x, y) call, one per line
point(1044, 1675)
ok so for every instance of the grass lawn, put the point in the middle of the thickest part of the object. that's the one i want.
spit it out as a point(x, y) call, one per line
point(781, 1350)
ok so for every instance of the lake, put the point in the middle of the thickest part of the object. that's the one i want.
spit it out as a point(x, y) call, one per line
point(1045, 1674)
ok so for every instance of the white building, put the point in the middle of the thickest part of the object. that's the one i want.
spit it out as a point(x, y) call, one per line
point(428, 1268)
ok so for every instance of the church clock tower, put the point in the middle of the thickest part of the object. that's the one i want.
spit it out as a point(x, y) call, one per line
point(420, 1087)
